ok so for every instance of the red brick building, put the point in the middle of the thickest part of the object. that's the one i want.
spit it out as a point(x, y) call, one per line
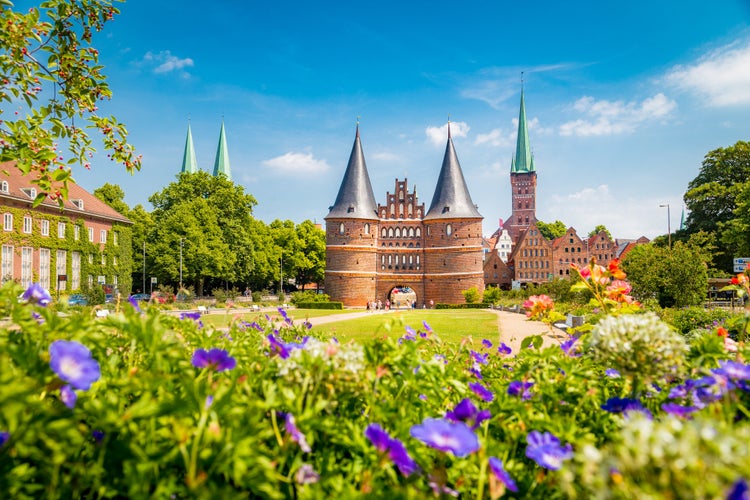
point(83, 243)
point(373, 249)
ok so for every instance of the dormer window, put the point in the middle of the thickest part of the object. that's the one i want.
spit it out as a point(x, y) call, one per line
point(30, 192)
point(350, 209)
point(78, 203)
point(446, 209)
point(4, 187)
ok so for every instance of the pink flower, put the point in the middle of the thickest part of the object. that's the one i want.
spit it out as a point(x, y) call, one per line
point(537, 305)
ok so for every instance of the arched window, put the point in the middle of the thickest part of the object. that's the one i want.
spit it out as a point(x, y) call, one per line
point(341, 228)
point(401, 209)
point(382, 214)
point(411, 210)
point(390, 260)
point(390, 232)
point(397, 234)
point(419, 213)
point(384, 233)
point(400, 194)
point(411, 232)
point(448, 229)
point(393, 209)
point(418, 233)
point(411, 259)
point(367, 228)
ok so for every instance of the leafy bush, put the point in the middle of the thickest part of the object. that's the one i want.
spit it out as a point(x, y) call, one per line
point(481, 305)
point(691, 318)
point(491, 295)
point(257, 296)
point(472, 295)
point(320, 305)
point(309, 296)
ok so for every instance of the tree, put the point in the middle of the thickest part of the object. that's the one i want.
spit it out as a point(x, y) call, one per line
point(553, 230)
point(114, 196)
point(675, 278)
point(143, 225)
point(598, 229)
point(209, 219)
point(312, 267)
point(51, 67)
point(715, 194)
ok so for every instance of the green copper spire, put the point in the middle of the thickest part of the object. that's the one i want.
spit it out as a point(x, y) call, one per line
point(189, 163)
point(523, 162)
point(221, 165)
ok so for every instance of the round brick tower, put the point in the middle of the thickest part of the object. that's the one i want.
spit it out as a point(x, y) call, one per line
point(352, 235)
point(453, 236)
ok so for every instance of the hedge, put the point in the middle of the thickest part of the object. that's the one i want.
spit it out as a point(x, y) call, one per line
point(320, 305)
point(462, 306)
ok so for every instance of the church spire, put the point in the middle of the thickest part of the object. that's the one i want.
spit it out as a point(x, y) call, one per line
point(355, 199)
point(221, 164)
point(451, 199)
point(189, 162)
point(523, 161)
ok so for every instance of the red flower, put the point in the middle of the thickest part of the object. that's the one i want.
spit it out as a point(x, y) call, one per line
point(722, 332)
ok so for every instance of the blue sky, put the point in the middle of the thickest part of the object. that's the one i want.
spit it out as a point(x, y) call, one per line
point(623, 99)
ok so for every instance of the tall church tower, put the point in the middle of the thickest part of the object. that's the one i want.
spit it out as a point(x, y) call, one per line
point(189, 162)
point(453, 236)
point(352, 235)
point(522, 181)
point(221, 164)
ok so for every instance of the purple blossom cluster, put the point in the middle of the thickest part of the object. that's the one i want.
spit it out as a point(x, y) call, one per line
point(36, 294)
point(74, 364)
point(468, 413)
point(481, 391)
point(393, 447)
point(214, 359)
point(496, 466)
point(546, 450)
point(504, 349)
point(290, 426)
point(625, 406)
point(284, 349)
point(446, 436)
point(698, 393)
point(520, 388)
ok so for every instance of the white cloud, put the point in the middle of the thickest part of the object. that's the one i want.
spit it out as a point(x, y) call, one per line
point(385, 156)
point(615, 117)
point(495, 137)
point(722, 77)
point(297, 163)
point(165, 62)
point(438, 135)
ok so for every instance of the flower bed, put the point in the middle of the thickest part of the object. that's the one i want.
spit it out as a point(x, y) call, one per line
point(142, 404)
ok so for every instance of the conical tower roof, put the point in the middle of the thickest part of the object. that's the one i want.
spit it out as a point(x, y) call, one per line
point(221, 164)
point(355, 199)
point(523, 161)
point(189, 162)
point(451, 199)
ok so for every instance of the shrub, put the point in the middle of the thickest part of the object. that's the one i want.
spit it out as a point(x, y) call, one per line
point(691, 318)
point(320, 305)
point(309, 296)
point(472, 295)
point(257, 296)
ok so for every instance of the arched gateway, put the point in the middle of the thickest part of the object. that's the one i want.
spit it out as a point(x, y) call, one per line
point(402, 297)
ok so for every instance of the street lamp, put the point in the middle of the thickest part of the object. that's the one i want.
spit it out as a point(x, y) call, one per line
point(669, 226)
point(281, 274)
point(181, 264)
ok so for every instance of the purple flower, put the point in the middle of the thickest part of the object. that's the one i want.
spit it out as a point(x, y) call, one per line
point(732, 370)
point(286, 317)
point(378, 437)
point(481, 391)
point(291, 428)
point(195, 316)
point(36, 294)
point(208, 402)
point(216, 359)
point(546, 451)
point(426, 326)
point(72, 362)
point(625, 405)
point(496, 466)
point(134, 302)
point(97, 435)
point(518, 388)
point(739, 490)
point(4, 437)
point(678, 410)
point(504, 349)
point(569, 347)
point(306, 475)
point(68, 396)
point(612, 373)
point(487, 343)
point(480, 358)
point(443, 435)
point(465, 411)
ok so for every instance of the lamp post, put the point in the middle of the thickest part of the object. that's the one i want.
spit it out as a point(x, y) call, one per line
point(669, 226)
point(281, 274)
point(144, 266)
point(181, 264)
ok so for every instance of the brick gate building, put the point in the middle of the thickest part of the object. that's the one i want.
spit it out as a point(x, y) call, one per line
point(372, 249)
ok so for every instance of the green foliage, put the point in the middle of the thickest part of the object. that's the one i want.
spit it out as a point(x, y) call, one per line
point(690, 318)
point(95, 294)
point(309, 296)
point(472, 295)
point(51, 74)
point(320, 305)
point(491, 295)
point(598, 229)
point(675, 278)
point(257, 296)
point(552, 230)
point(468, 305)
point(223, 295)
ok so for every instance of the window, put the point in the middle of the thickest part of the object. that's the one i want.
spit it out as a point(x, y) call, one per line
point(114, 260)
point(383, 233)
point(26, 263)
point(76, 232)
point(418, 233)
point(104, 260)
point(8, 222)
point(7, 264)
point(103, 236)
point(390, 232)
point(397, 234)
point(91, 234)
point(44, 257)
point(91, 258)
point(114, 280)
point(27, 224)
point(45, 228)
point(448, 229)
point(367, 230)
point(4, 187)
point(341, 228)
point(61, 230)
point(90, 280)
point(75, 270)
point(61, 268)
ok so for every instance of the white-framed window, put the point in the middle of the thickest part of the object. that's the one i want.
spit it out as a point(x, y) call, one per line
point(91, 280)
point(61, 268)
point(7, 264)
point(114, 280)
point(91, 258)
point(61, 230)
point(8, 222)
point(342, 228)
point(27, 261)
point(75, 270)
point(44, 265)
point(76, 232)
point(367, 228)
point(448, 229)
point(45, 228)
point(91, 234)
point(4, 187)
point(115, 235)
point(102, 236)
point(114, 260)
point(27, 224)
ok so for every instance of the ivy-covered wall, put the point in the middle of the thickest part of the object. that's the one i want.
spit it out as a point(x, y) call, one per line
point(118, 257)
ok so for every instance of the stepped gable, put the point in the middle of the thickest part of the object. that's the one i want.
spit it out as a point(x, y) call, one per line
point(451, 199)
point(355, 199)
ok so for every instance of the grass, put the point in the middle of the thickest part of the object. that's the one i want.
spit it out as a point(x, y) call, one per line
point(222, 319)
point(450, 325)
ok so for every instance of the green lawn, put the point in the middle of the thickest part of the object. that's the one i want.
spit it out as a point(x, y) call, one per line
point(451, 325)
point(222, 319)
